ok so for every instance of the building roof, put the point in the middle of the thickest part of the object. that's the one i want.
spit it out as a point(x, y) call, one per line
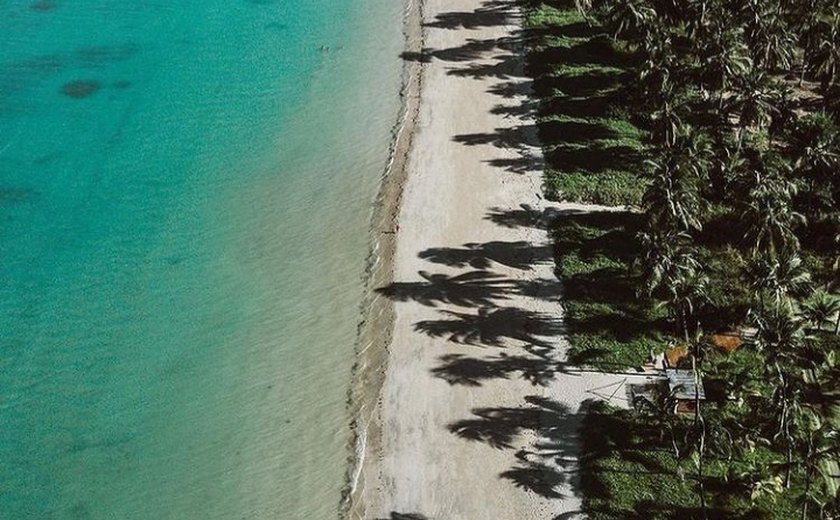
point(676, 354)
point(681, 384)
point(727, 342)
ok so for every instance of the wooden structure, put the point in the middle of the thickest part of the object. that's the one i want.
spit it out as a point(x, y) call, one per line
point(684, 389)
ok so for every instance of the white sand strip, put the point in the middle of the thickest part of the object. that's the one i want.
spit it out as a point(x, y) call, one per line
point(476, 420)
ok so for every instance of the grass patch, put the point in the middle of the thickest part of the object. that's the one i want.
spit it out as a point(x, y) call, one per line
point(592, 148)
point(608, 324)
point(629, 471)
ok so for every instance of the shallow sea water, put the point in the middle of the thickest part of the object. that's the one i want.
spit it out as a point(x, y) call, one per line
point(185, 194)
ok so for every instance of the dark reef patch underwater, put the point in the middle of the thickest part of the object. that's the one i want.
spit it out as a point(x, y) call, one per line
point(81, 88)
point(43, 6)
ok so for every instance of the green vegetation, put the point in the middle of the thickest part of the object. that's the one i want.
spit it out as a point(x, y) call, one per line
point(608, 325)
point(592, 149)
point(719, 122)
point(629, 472)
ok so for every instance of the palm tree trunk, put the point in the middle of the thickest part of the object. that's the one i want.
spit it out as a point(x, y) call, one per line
point(784, 427)
point(683, 323)
point(805, 494)
point(789, 469)
point(804, 68)
point(700, 426)
point(741, 131)
point(789, 445)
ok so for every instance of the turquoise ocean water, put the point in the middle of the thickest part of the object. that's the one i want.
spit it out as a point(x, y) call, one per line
point(185, 194)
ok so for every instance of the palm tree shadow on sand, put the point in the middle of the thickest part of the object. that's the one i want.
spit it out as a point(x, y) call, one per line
point(543, 468)
point(517, 255)
point(405, 516)
point(458, 369)
point(495, 327)
point(470, 289)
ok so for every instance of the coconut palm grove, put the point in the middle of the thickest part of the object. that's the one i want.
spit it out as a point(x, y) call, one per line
point(715, 125)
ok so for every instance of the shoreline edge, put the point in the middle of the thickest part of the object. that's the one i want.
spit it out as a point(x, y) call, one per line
point(376, 323)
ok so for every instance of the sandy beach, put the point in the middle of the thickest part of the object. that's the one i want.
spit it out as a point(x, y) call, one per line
point(478, 416)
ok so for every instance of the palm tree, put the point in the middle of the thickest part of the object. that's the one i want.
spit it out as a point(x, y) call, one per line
point(835, 278)
point(780, 337)
point(824, 56)
point(673, 12)
point(685, 291)
point(782, 112)
point(754, 99)
point(664, 252)
point(584, 6)
point(819, 452)
point(820, 308)
point(769, 215)
point(818, 426)
point(814, 144)
point(696, 16)
point(673, 198)
point(768, 34)
point(654, 74)
point(700, 429)
point(671, 270)
point(779, 277)
point(727, 166)
point(668, 109)
point(722, 54)
point(807, 18)
point(630, 20)
point(660, 408)
point(780, 330)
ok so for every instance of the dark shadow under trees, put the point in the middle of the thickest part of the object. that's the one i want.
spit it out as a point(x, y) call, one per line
point(540, 468)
